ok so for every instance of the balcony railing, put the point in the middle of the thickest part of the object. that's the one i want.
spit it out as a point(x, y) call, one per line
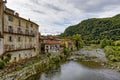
point(19, 33)
point(10, 30)
point(11, 48)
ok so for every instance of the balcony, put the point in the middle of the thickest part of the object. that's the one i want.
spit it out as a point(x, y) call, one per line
point(11, 48)
point(19, 33)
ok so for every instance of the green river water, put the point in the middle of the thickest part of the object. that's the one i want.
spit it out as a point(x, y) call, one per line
point(73, 70)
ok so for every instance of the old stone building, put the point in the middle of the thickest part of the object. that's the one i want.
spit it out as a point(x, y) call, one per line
point(18, 36)
point(50, 44)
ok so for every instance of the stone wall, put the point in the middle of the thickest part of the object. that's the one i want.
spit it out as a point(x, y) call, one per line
point(33, 69)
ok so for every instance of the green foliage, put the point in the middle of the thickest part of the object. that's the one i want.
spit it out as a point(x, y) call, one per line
point(5, 61)
point(66, 51)
point(117, 43)
point(7, 58)
point(112, 53)
point(96, 29)
point(2, 64)
point(78, 41)
point(9, 55)
point(105, 42)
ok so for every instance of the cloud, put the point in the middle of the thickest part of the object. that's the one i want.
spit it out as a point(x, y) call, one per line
point(54, 16)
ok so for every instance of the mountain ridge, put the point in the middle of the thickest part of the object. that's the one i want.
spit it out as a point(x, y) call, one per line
point(96, 29)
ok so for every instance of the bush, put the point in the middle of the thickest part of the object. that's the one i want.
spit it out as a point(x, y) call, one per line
point(9, 55)
point(112, 53)
point(6, 60)
point(117, 43)
point(105, 42)
point(109, 51)
point(2, 64)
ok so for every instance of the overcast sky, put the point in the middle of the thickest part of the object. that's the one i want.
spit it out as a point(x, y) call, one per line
point(54, 16)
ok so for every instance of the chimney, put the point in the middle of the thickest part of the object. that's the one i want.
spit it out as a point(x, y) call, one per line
point(5, 1)
point(17, 14)
point(29, 19)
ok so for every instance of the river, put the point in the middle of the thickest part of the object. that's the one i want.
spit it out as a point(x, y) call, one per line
point(79, 71)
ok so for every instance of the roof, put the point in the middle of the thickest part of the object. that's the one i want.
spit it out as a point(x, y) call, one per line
point(18, 16)
point(51, 42)
point(49, 37)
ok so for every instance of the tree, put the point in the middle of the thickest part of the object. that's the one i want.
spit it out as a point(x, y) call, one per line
point(105, 42)
point(78, 41)
point(96, 29)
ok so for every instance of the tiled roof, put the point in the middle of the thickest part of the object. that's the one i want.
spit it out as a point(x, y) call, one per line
point(51, 42)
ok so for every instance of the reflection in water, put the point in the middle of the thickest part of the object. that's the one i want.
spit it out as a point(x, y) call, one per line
point(51, 75)
point(76, 71)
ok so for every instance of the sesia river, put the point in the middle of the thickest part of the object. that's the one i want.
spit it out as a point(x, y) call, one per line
point(74, 70)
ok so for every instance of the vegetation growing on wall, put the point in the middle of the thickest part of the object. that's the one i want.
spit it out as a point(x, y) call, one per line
point(5, 61)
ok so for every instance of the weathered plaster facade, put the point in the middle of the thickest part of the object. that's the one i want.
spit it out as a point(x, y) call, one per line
point(1, 26)
point(20, 36)
point(52, 47)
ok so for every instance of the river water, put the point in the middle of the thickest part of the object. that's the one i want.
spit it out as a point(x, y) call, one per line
point(79, 71)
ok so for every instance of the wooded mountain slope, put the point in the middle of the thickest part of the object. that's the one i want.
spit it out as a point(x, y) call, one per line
point(96, 29)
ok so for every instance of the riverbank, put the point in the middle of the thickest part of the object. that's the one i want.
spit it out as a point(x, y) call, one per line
point(94, 53)
point(113, 65)
point(36, 66)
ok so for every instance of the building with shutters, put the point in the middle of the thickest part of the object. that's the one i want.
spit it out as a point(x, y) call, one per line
point(18, 36)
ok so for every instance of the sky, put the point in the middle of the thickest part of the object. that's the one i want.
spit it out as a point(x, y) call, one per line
point(54, 16)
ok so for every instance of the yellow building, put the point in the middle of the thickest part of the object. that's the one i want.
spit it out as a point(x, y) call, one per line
point(68, 44)
point(18, 36)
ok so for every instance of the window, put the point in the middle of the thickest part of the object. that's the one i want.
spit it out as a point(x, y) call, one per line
point(31, 25)
point(10, 18)
point(19, 22)
point(19, 30)
point(10, 29)
point(30, 39)
point(31, 32)
point(15, 58)
point(27, 32)
point(19, 39)
point(10, 38)
point(26, 25)
point(19, 55)
point(25, 39)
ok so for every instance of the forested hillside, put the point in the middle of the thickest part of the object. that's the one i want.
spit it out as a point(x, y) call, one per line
point(96, 29)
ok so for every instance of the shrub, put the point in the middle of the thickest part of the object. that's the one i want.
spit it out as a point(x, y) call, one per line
point(105, 42)
point(109, 51)
point(117, 43)
point(9, 55)
point(6, 60)
point(2, 64)
point(112, 53)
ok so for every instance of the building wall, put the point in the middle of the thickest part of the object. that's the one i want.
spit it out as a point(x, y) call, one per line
point(52, 48)
point(21, 38)
point(1, 27)
point(1, 16)
point(19, 55)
